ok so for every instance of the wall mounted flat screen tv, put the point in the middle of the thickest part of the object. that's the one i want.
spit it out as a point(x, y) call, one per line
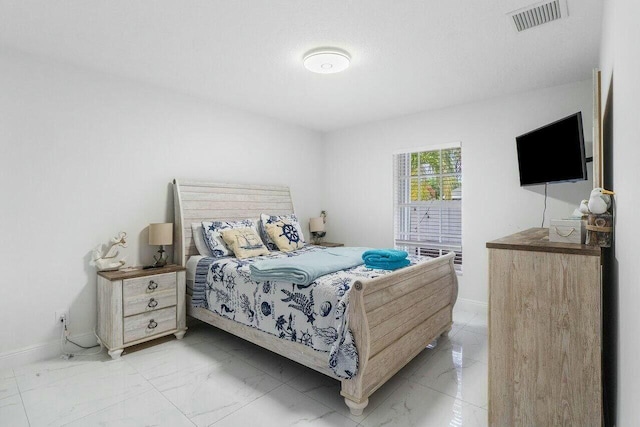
point(553, 153)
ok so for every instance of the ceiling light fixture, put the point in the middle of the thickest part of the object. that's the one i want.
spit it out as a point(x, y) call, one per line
point(327, 60)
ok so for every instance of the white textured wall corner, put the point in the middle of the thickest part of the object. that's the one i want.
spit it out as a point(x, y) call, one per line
point(359, 172)
point(620, 62)
point(86, 155)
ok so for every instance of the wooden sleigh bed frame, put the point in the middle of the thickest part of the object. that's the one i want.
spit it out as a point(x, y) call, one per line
point(392, 317)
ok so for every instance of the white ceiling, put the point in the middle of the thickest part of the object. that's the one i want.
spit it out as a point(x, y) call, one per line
point(407, 56)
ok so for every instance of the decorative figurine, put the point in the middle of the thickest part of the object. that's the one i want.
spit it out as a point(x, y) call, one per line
point(108, 261)
point(600, 220)
point(600, 201)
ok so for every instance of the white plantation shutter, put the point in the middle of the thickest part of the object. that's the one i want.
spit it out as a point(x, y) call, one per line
point(428, 202)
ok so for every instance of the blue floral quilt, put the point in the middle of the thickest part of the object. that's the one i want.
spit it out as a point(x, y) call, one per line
point(314, 315)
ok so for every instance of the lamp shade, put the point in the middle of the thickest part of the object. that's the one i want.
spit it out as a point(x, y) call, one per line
point(161, 234)
point(316, 224)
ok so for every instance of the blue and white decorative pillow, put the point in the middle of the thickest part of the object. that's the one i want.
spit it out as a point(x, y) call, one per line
point(213, 237)
point(285, 235)
point(272, 219)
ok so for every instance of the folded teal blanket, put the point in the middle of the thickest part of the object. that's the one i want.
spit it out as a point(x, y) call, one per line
point(383, 255)
point(388, 265)
point(306, 268)
point(385, 259)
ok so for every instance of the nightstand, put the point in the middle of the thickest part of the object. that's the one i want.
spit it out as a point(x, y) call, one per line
point(139, 305)
point(329, 244)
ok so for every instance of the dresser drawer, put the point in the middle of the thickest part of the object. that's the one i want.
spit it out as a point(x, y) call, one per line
point(149, 324)
point(149, 285)
point(144, 303)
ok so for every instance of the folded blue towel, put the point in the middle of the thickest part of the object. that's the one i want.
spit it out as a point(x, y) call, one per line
point(383, 255)
point(387, 265)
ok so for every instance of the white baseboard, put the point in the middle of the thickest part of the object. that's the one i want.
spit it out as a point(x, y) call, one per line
point(39, 352)
point(472, 305)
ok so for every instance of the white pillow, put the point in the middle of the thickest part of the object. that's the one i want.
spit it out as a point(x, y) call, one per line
point(213, 238)
point(198, 239)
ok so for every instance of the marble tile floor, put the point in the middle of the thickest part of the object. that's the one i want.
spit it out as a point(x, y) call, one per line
point(211, 378)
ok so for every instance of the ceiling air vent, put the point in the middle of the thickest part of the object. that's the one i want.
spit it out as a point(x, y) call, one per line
point(538, 14)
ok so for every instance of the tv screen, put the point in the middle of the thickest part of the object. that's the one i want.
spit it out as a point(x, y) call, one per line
point(553, 153)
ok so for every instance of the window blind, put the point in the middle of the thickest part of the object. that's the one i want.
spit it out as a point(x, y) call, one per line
point(428, 202)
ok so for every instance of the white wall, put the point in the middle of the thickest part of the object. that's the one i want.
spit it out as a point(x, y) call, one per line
point(620, 62)
point(359, 172)
point(85, 155)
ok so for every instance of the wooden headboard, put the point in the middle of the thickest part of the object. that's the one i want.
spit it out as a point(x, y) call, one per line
point(197, 201)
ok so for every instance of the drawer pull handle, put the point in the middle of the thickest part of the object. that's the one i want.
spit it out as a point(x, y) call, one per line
point(564, 235)
point(152, 324)
point(152, 303)
point(152, 285)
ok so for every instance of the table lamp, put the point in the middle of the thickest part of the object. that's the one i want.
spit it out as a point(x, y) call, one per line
point(161, 234)
point(316, 226)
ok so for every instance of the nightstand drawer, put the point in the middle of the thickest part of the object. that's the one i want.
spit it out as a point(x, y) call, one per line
point(149, 285)
point(148, 324)
point(144, 303)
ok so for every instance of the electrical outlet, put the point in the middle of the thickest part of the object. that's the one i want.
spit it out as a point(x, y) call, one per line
point(62, 314)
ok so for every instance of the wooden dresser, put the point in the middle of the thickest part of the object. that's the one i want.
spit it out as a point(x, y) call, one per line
point(140, 305)
point(544, 332)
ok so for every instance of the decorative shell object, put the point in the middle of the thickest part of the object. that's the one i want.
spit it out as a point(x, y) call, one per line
point(109, 261)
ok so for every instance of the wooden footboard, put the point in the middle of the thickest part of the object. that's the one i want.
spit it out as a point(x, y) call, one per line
point(393, 318)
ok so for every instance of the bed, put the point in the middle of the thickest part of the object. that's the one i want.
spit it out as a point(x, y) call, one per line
point(391, 317)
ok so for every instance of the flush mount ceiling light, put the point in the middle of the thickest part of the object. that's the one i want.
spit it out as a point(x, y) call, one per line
point(327, 60)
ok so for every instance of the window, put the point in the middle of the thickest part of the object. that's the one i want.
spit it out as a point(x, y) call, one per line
point(428, 202)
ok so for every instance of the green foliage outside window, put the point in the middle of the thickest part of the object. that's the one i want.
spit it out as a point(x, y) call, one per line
point(437, 174)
